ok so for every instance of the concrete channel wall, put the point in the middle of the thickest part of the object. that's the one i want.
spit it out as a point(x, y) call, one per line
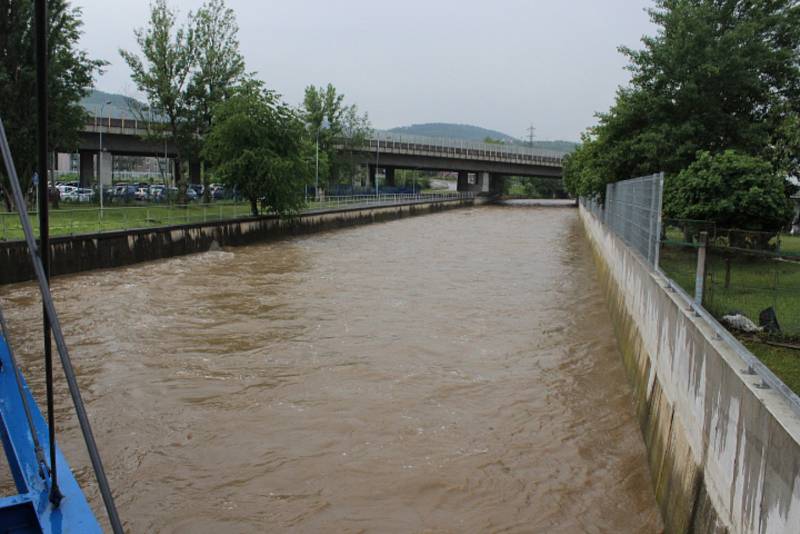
point(724, 453)
point(71, 254)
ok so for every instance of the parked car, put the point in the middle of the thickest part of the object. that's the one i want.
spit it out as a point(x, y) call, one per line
point(156, 192)
point(218, 192)
point(126, 193)
point(79, 194)
point(65, 189)
point(142, 193)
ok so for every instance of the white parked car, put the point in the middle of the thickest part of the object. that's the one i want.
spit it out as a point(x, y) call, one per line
point(142, 194)
point(79, 194)
point(65, 189)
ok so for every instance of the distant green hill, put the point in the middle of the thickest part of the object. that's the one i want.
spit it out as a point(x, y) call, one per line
point(452, 131)
point(476, 133)
point(120, 106)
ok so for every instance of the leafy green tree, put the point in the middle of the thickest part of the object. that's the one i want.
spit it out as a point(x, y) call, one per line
point(341, 130)
point(219, 69)
point(734, 190)
point(258, 146)
point(718, 75)
point(71, 73)
point(163, 74)
point(185, 71)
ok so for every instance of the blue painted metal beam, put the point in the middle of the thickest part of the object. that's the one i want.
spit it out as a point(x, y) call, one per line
point(31, 510)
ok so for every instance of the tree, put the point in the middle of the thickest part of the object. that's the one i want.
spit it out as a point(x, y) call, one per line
point(71, 73)
point(718, 75)
point(258, 146)
point(345, 130)
point(185, 71)
point(220, 68)
point(164, 72)
point(732, 189)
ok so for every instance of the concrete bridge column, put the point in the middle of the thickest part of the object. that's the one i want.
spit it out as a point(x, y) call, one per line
point(462, 184)
point(373, 170)
point(390, 182)
point(484, 182)
point(87, 167)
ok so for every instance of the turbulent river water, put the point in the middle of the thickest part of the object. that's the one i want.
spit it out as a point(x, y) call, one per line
point(449, 373)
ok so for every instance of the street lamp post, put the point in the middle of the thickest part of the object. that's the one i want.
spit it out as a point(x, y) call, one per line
point(323, 126)
point(100, 157)
point(377, 163)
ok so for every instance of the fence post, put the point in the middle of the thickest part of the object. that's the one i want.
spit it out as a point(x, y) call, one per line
point(700, 276)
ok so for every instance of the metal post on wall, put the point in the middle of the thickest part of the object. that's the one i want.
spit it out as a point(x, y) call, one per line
point(700, 275)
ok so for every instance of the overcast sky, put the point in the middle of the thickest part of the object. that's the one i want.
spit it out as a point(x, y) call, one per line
point(500, 64)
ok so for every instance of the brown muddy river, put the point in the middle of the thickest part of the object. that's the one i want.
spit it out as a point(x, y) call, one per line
point(448, 373)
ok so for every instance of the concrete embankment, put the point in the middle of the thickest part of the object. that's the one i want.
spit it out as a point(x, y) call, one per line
point(724, 451)
point(72, 254)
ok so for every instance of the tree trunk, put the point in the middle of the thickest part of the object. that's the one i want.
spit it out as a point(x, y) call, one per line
point(181, 185)
point(254, 206)
point(7, 198)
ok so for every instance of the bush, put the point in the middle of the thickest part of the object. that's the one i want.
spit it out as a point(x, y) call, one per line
point(734, 190)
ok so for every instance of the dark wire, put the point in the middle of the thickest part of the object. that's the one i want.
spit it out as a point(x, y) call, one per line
point(40, 34)
point(55, 324)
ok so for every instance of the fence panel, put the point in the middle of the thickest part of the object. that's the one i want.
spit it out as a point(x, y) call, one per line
point(632, 211)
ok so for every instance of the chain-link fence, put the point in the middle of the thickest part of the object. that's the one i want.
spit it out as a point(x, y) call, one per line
point(632, 210)
point(750, 280)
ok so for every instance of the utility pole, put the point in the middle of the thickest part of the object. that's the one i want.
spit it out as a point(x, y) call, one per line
point(531, 134)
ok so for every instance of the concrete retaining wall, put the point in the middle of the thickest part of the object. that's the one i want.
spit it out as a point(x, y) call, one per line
point(724, 454)
point(71, 254)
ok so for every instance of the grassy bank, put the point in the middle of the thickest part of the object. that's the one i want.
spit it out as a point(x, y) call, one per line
point(754, 283)
point(85, 219)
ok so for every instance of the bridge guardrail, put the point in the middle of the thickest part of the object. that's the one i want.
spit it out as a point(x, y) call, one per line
point(458, 148)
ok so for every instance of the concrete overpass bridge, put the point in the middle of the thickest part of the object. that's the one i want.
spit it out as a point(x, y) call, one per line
point(481, 167)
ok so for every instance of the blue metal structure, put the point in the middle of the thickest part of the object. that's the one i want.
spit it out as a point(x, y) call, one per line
point(42, 504)
point(30, 511)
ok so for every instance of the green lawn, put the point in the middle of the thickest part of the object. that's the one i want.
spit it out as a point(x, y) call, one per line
point(756, 283)
point(69, 220)
point(74, 219)
point(785, 363)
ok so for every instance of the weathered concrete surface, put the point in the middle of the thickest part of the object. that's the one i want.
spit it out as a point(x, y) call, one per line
point(724, 454)
point(71, 254)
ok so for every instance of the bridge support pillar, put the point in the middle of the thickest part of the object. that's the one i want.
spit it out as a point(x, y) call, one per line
point(87, 167)
point(373, 170)
point(462, 184)
point(390, 182)
point(484, 181)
